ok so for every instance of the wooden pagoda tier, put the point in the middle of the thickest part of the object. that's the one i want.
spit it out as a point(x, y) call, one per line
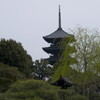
point(53, 49)
point(53, 59)
point(54, 38)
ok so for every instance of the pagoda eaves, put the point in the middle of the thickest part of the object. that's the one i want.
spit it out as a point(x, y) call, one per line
point(54, 38)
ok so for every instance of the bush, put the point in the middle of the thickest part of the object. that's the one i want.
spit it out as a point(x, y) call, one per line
point(31, 90)
point(78, 97)
point(29, 85)
point(47, 94)
point(65, 94)
point(8, 75)
point(38, 90)
point(94, 96)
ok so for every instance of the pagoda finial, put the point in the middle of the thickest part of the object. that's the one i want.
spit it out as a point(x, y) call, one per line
point(59, 18)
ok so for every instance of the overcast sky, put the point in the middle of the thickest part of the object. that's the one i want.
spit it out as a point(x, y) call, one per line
point(26, 21)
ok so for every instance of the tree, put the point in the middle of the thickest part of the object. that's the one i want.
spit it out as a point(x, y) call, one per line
point(88, 46)
point(66, 59)
point(88, 58)
point(80, 60)
point(8, 75)
point(13, 54)
point(41, 69)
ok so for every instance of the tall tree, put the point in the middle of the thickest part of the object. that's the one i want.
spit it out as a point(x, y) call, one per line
point(88, 57)
point(88, 48)
point(80, 60)
point(13, 54)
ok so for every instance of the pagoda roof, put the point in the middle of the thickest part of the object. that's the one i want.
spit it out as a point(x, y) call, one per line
point(59, 33)
point(63, 82)
point(53, 60)
point(51, 49)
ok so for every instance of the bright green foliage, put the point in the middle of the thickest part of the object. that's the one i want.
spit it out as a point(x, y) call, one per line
point(36, 90)
point(84, 68)
point(13, 54)
point(8, 75)
point(88, 59)
point(88, 49)
point(66, 60)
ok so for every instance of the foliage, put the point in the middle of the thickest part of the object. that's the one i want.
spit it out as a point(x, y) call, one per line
point(41, 69)
point(31, 89)
point(8, 75)
point(13, 54)
point(66, 59)
point(88, 46)
point(94, 96)
point(88, 58)
point(80, 60)
point(35, 90)
point(78, 97)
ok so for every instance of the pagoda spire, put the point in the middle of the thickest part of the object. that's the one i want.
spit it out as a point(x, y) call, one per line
point(59, 18)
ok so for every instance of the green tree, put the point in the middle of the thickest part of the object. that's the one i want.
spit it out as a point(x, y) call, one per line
point(41, 69)
point(80, 60)
point(66, 59)
point(8, 75)
point(88, 58)
point(13, 54)
point(88, 46)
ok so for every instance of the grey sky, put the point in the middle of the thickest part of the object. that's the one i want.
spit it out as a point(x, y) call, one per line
point(26, 21)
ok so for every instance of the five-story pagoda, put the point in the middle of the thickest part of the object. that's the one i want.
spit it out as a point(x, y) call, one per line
point(54, 38)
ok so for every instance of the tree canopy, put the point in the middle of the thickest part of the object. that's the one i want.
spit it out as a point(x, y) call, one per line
point(41, 69)
point(13, 54)
point(80, 60)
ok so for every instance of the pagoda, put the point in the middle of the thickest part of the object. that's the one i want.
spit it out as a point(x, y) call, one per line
point(54, 38)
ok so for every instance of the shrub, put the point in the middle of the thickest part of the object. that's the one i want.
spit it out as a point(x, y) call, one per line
point(38, 90)
point(31, 90)
point(65, 94)
point(78, 97)
point(29, 85)
point(94, 96)
point(47, 94)
point(8, 75)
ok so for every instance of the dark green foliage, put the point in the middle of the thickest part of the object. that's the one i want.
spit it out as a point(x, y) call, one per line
point(94, 96)
point(13, 54)
point(42, 70)
point(65, 94)
point(36, 90)
point(78, 97)
point(8, 75)
point(29, 85)
point(30, 90)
